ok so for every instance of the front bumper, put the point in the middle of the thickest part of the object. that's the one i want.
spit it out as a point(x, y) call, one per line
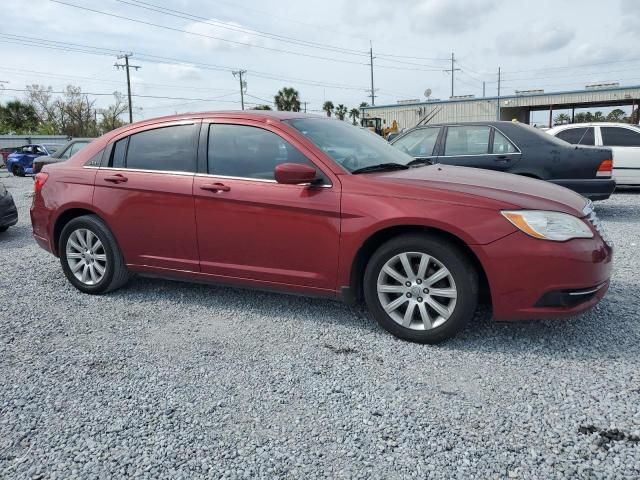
point(593, 189)
point(531, 278)
point(8, 211)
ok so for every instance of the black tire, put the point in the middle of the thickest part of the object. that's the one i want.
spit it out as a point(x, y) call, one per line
point(17, 171)
point(116, 272)
point(452, 257)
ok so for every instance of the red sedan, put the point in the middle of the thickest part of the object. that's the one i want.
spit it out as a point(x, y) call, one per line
point(311, 205)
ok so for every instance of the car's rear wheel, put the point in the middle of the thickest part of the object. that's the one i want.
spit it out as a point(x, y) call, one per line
point(90, 257)
point(421, 288)
point(17, 171)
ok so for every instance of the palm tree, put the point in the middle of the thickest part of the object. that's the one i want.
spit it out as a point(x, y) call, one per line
point(364, 105)
point(561, 119)
point(328, 107)
point(287, 100)
point(354, 114)
point(261, 107)
point(341, 111)
point(18, 117)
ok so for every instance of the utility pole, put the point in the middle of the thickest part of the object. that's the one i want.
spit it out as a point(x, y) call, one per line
point(305, 107)
point(452, 70)
point(484, 84)
point(243, 85)
point(373, 91)
point(126, 67)
point(498, 107)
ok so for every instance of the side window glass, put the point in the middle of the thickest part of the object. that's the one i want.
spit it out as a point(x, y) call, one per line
point(167, 148)
point(501, 144)
point(572, 135)
point(419, 143)
point(467, 140)
point(67, 153)
point(620, 137)
point(118, 153)
point(589, 137)
point(249, 152)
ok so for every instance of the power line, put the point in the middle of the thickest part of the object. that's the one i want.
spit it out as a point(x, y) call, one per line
point(203, 35)
point(238, 28)
point(83, 48)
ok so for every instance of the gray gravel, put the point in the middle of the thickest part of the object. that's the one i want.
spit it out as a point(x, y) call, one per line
point(171, 380)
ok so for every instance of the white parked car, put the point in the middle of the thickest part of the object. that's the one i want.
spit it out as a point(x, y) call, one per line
point(622, 138)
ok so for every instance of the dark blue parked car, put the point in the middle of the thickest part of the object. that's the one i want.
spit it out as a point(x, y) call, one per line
point(20, 163)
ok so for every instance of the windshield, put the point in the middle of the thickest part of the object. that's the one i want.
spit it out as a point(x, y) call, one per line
point(352, 147)
point(52, 148)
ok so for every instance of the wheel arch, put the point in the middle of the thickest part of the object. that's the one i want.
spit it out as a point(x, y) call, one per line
point(64, 218)
point(374, 241)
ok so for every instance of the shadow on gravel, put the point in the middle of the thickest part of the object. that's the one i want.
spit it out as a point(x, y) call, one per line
point(603, 333)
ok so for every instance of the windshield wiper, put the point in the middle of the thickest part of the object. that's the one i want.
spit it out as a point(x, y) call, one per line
point(381, 167)
point(418, 162)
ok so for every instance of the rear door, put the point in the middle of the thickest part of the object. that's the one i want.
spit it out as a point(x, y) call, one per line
point(578, 135)
point(479, 146)
point(625, 143)
point(145, 195)
point(252, 228)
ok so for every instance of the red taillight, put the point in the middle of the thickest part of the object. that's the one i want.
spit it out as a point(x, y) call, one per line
point(40, 180)
point(605, 169)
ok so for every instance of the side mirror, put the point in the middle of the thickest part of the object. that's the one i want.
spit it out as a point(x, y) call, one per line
point(294, 173)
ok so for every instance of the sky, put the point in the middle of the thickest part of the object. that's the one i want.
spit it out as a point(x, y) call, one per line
point(188, 49)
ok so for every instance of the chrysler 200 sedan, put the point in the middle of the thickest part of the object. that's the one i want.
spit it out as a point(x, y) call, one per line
point(311, 205)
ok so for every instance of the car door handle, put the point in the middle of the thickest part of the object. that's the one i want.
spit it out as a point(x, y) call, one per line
point(215, 187)
point(117, 178)
point(502, 158)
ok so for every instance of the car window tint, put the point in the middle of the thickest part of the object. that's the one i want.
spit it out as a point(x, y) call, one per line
point(501, 144)
point(573, 135)
point(248, 152)
point(418, 143)
point(467, 140)
point(620, 137)
point(167, 149)
point(118, 153)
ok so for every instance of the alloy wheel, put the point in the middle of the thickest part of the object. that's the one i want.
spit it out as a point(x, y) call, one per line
point(86, 256)
point(417, 290)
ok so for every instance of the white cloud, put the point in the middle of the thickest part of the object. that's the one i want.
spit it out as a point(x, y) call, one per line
point(177, 71)
point(535, 39)
point(449, 16)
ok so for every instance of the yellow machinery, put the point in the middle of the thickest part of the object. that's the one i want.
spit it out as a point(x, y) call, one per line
point(375, 125)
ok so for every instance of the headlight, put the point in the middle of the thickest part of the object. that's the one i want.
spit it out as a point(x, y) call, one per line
point(554, 226)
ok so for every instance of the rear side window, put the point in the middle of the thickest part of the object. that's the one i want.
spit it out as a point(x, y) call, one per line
point(619, 137)
point(467, 140)
point(419, 143)
point(168, 148)
point(578, 136)
point(119, 152)
point(249, 152)
point(501, 144)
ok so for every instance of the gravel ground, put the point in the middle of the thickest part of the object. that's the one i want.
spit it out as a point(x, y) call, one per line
point(171, 380)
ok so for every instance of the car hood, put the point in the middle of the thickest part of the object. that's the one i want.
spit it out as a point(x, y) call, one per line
point(511, 191)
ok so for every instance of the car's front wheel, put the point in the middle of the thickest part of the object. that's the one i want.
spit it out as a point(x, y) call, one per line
point(90, 257)
point(421, 288)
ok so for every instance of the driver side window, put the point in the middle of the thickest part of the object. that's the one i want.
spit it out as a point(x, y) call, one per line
point(249, 152)
point(419, 143)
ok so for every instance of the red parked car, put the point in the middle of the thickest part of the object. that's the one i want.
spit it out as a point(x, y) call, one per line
point(305, 204)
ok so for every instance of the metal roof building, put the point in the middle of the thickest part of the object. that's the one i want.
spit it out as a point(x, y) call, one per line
point(519, 106)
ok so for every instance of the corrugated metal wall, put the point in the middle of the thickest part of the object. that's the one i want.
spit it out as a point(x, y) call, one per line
point(484, 109)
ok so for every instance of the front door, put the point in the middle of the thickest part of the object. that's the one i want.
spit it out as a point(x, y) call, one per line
point(252, 228)
point(145, 195)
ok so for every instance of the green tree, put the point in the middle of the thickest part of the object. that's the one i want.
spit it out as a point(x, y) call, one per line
point(616, 115)
point(364, 105)
point(111, 115)
point(261, 107)
point(354, 114)
point(328, 107)
point(287, 99)
point(599, 117)
point(583, 117)
point(18, 117)
point(341, 111)
point(561, 119)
